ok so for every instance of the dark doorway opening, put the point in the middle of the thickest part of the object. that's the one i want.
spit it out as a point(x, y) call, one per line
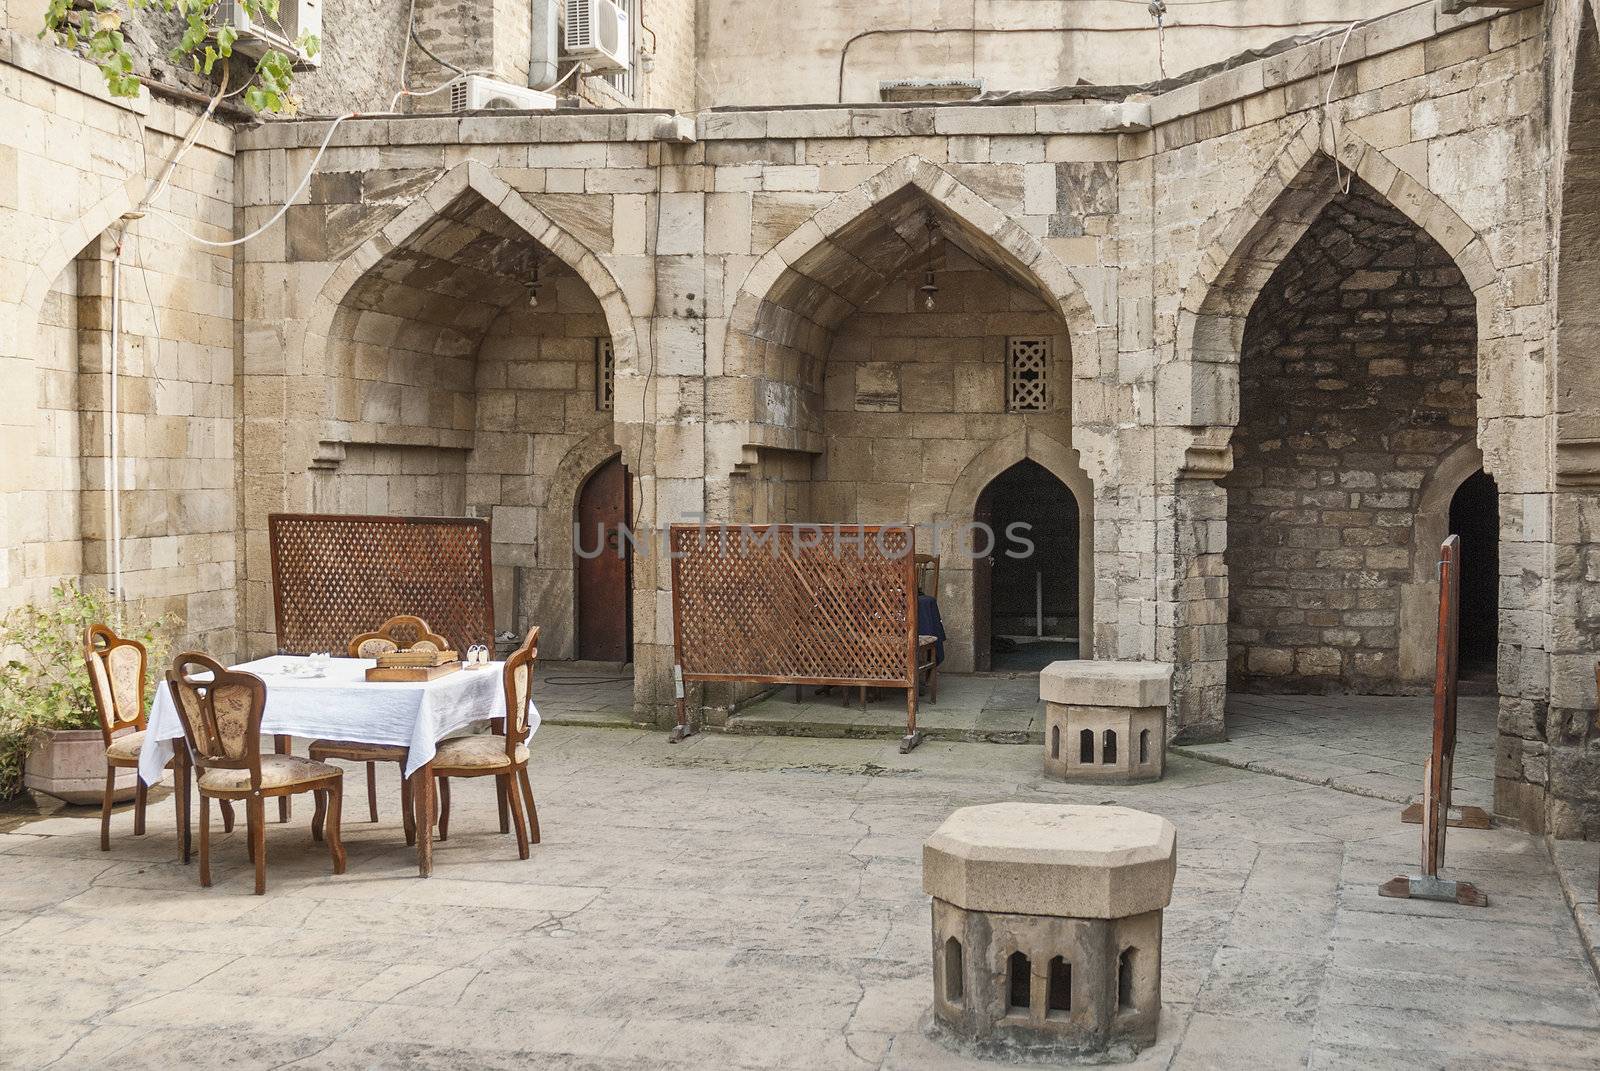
point(1025, 593)
point(604, 583)
point(1475, 517)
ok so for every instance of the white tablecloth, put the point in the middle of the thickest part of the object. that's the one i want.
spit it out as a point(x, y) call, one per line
point(343, 705)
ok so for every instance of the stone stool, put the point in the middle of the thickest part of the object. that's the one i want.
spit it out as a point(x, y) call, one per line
point(1047, 928)
point(1105, 721)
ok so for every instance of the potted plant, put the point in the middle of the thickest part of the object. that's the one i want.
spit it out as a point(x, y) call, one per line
point(50, 735)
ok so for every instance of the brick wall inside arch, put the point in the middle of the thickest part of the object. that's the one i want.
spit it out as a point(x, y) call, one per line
point(1357, 376)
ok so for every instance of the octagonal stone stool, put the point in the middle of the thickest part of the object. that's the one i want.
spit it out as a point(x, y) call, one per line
point(1106, 721)
point(1047, 928)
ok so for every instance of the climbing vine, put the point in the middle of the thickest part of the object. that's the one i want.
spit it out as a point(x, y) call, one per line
point(96, 27)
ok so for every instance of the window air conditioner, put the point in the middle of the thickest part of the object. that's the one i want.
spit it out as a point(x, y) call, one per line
point(477, 93)
point(295, 17)
point(597, 34)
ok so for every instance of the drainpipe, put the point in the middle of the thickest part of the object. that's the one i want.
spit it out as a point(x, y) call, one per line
point(546, 43)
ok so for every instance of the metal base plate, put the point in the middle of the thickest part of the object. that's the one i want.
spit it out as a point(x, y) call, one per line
point(1460, 817)
point(911, 741)
point(1431, 888)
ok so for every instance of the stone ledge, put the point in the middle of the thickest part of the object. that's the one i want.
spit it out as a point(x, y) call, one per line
point(1043, 859)
point(1105, 683)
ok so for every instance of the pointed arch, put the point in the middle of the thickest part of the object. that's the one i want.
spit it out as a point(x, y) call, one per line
point(811, 251)
point(68, 244)
point(475, 177)
point(1200, 389)
point(787, 308)
point(1062, 462)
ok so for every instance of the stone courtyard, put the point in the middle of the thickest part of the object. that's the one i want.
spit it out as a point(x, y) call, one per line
point(755, 902)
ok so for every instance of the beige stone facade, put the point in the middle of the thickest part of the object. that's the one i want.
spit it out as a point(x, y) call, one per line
point(758, 286)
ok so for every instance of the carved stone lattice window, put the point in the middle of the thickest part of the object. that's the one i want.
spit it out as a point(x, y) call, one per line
point(605, 375)
point(1027, 369)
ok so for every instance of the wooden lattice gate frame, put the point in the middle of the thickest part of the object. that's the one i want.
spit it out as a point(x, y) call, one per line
point(335, 576)
point(819, 604)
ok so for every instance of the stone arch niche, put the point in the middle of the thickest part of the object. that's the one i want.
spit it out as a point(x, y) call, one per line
point(957, 564)
point(1358, 378)
point(844, 398)
point(1198, 395)
point(459, 355)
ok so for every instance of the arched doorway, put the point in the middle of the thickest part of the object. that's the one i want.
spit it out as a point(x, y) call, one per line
point(1475, 517)
point(1025, 591)
point(604, 568)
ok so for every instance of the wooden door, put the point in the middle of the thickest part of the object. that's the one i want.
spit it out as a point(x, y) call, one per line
point(982, 583)
point(604, 581)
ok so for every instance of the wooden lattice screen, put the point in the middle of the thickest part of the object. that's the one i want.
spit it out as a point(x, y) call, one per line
point(797, 604)
point(335, 576)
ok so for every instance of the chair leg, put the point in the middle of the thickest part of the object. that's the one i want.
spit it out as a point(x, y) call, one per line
point(500, 798)
point(320, 813)
point(227, 815)
point(256, 816)
point(934, 698)
point(105, 808)
point(186, 786)
point(282, 746)
point(205, 841)
point(141, 796)
point(372, 790)
point(444, 808)
point(181, 813)
point(516, 814)
point(335, 799)
point(533, 812)
point(409, 818)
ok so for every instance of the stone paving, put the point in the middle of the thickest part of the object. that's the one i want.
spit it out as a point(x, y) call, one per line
point(1367, 744)
point(755, 903)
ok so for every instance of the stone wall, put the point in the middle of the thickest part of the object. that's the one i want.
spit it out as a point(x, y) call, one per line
point(755, 53)
point(540, 433)
point(71, 162)
point(913, 398)
point(728, 268)
point(1357, 379)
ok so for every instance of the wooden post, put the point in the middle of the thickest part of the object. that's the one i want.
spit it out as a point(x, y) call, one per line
point(1437, 774)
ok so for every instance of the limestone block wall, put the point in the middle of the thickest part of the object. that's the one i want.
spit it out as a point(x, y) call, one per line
point(1357, 381)
point(728, 268)
point(71, 162)
point(1439, 116)
point(1560, 745)
point(540, 434)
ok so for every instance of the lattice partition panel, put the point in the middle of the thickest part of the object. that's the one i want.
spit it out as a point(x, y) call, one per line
point(753, 604)
point(336, 576)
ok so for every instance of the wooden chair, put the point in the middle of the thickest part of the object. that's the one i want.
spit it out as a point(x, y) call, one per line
point(116, 680)
point(502, 754)
point(403, 633)
point(221, 713)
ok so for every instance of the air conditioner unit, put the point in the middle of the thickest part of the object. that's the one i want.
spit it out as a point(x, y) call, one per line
point(597, 34)
point(477, 93)
point(295, 18)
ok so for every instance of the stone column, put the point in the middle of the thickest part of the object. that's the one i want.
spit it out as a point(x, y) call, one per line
point(1047, 928)
point(1106, 721)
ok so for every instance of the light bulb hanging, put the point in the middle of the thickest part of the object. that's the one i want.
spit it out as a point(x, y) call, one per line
point(929, 287)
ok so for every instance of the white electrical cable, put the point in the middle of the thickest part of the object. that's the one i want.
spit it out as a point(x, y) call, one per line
point(1339, 179)
point(305, 180)
point(114, 446)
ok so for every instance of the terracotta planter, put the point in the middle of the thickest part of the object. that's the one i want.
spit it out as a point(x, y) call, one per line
point(71, 765)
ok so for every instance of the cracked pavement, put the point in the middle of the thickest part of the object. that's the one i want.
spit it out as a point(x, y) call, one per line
point(756, 903)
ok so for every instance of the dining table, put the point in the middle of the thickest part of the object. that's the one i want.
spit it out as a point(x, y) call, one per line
point(333, 699)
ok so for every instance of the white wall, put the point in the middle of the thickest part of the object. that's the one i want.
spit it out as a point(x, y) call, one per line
point(756, 52)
